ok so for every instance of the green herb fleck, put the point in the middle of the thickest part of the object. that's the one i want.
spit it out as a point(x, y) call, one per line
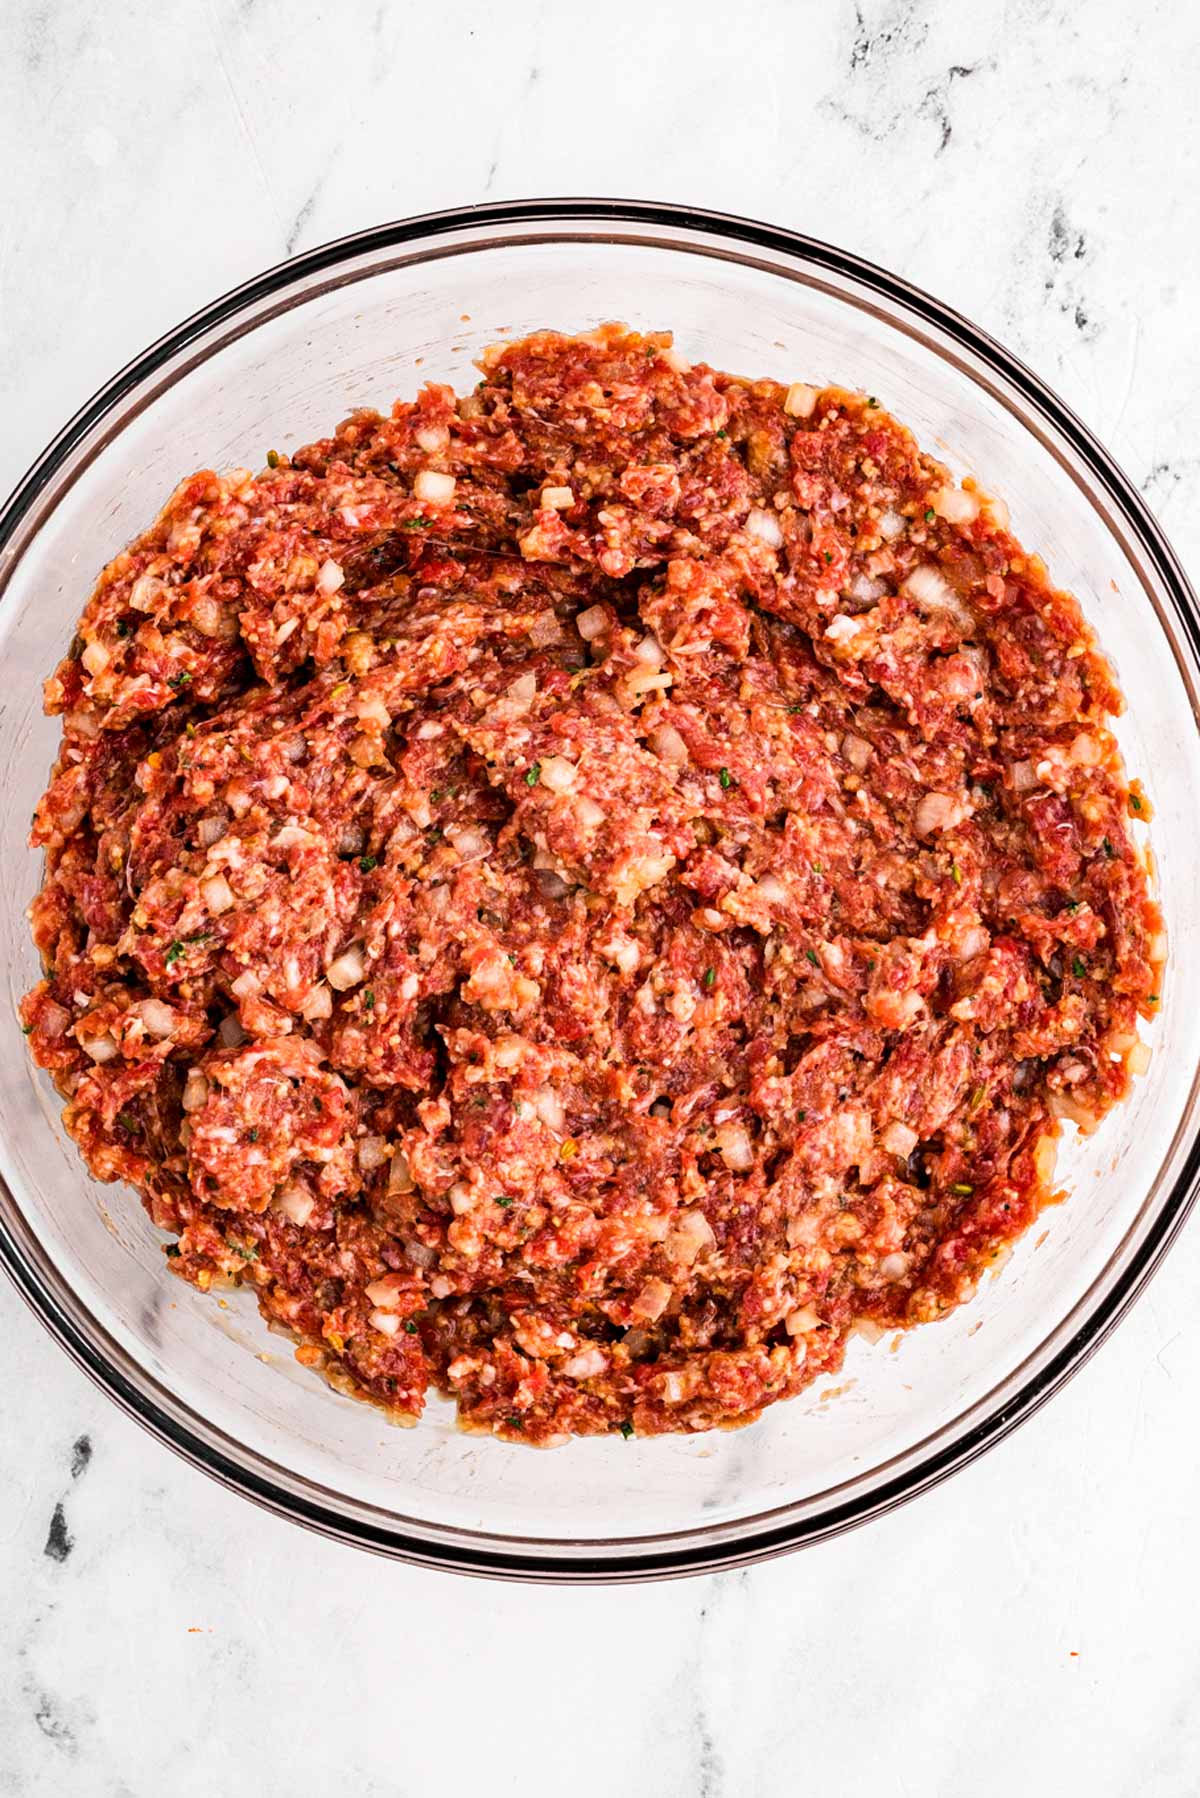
point(122, 628)
point(722, 434)
point(1077, 968)
point(369, 998)
point(127, 1121)
point(411, 1327)
point(626, 1429)
point(435, 795)
point(172, 1251)
point(253, 1134)
point(26, 1029)
point(818, 867)
point(534, 775)
point(190, 729)
point(246, 1254)
point(514, 1422)
point(1073, 907)
point(872, 401)
point(726, 778)
point(182, 679)
point(416, 524)
point(367, 863)
point(963, 1187)
point(793, 709)
point(829, 555)
point(173, 954)
point(710, 976)
point(930, 515)
point(956, 874)
point(800, 1116)
point(272, 458)
point(1108, 848)
point(504, 1202)
point(1135, 802)
point(810, 955)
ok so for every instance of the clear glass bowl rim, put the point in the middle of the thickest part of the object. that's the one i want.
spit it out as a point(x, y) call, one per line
point(243, 1470)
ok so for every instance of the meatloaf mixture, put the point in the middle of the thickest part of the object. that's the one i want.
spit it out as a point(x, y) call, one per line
point(587, 894)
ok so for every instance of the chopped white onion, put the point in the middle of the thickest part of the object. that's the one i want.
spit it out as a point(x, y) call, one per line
point(545, 630)
point(100, 1048)
point(230, 1034)
point(462, 1199)
point(211, 830)
point(765, 526)
point(592, 622)
point(898, 1139)
point(800, 400)
point(842, 628)
point(434, 489)
point(558, 774)
point(649, 651)
point(433, 439)
point(522, 692)
point(294, 1202)
point(894, 1267)
point(95, 658)
point(936, 812)
point(217, 894)
point(386, 1322)
point(590, 815)
point(195, 1090)
point(419, 1253)
point(652, 1300)
point(317, 1004)
point(955, 506)
point(772, 889)
point(329, 577)
point(558, 499)
point(158, 1018)
point(801, 1320)
point(372, 1153)
point(347, 969)
point(549, 1108)
point(930, 588)
point(669, 746)
point(691, 1236)
point(733, 1142)
point(586, 1364)
point(891, 526)
point(399, 1177)
point(246, 985)
point(385, 1292)
point(351, 840)
point(1138, 1059)
point(471, 844)
point(856, 750)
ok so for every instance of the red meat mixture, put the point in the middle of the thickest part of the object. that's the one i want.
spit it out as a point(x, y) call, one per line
point(586, 894)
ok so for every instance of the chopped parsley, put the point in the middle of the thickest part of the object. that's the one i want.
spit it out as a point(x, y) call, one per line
point(1135, 802)
point(710, 976)
point(367, 863)
point(172, 1251)
point(1078, 968)
point(829, 555)
point(272, 458)
point(416, 524)
point(626, 1429)
point(174, 951)
point(722, 434)
point(810, 955)
point(534, 775)
point(956, 874)
point(434, 795)
point(930, 515)
point(726, 778)
point(514, 1422)
point(128, 1122)
point(1108, 848)
point(246, 1254)
point(793, 709)
point(963, 1187)
point(504, 1202)
point(182, 679)
point(369, 998)
point(872, 401)
point(26, 1029)
point(800, 1116)
point(253, 1134)
point(411, 1327)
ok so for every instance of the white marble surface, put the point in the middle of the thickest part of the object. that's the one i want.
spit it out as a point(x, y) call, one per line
point(1030, 1626)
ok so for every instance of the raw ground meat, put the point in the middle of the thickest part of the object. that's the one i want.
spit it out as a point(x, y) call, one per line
point(585, 894)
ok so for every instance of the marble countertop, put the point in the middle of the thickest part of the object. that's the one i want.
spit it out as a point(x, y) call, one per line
point(1027, 1626)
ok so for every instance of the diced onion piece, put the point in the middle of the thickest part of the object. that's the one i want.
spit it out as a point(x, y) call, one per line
point(669, 746)
point(652, 1300)
point(318, 1004)
point(936, 812)
point(765, 526)
point(592, 622)
point(195, 1090)
point(649, 651)
point(471, 844)
point(586, 1364)
point(434, 489)
point(347, 969)
point(894, 1267)
point(522, 692)
point(211, 830)
point(856, 750)
point(800, 400)
point(399, 1177)
point(997, 510)
point(52, 1020)
point(351, 840)
point(158, 1018)
point(217, 894)
point(557, 499)
point(419, 1253)
point(772, 889)
point(801, 1320)
point(144, 592)
point(372, 1153)
point(386, 1322)
point(545, 630)
point(549, 1108)
point(691, 1236)
point(230, 1034)
point(842, 628)
point(386, 1292)
point(930, 588)
point(329, 576)
point(736, 1151)
point(1138, 1059)
point(590, 815)
point(95, 658)
point(891, 525)
point(462, 1199)
point(100, 1048)
point(865, 590)
point(899, 1139)
point(558, 774)
point(1023, 777)
point(245, 986)
point(955, 506)
point(294, 1202)
point(867, 1329)
point(433, 439)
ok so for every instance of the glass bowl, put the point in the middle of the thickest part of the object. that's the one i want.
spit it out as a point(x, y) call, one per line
point(277, 363)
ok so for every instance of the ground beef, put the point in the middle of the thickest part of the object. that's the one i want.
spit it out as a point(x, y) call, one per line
point(585, 894)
